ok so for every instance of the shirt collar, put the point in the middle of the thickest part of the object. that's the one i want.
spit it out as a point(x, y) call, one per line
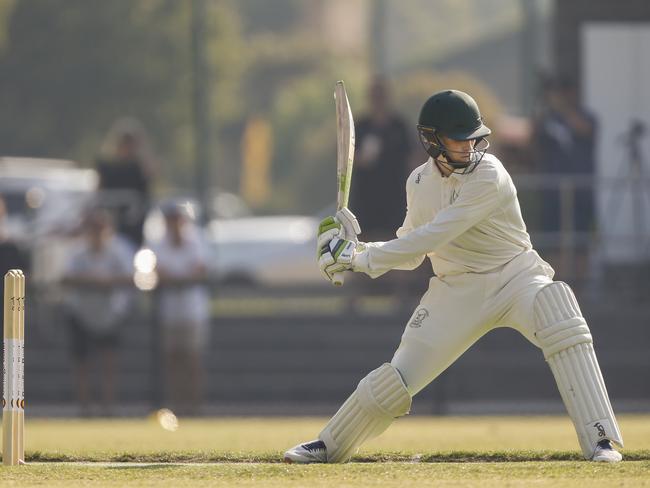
point(431, 168)
point(458, 176)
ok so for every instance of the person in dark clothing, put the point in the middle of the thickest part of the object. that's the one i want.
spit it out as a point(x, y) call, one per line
point(381, 166)
point(125, 168)
point(565, 135)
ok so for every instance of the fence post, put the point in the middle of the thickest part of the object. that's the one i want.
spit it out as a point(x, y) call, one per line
point(567, 226)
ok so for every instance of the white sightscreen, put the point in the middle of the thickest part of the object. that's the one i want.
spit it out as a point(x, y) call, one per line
point(616, 87)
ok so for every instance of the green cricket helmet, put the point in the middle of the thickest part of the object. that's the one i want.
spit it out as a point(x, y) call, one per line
point(453, 114)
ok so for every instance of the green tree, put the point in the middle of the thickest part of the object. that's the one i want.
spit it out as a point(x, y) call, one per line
point(70, 67)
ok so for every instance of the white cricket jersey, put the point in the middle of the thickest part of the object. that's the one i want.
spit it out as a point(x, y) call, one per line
point(464, 223)
point(186, 305)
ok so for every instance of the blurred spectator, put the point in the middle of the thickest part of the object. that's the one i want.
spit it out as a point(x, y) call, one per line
point(565, 135)
point(12, 256)
point(126, 167)
point(98, 275)
point(183, 308)
point(381, 166)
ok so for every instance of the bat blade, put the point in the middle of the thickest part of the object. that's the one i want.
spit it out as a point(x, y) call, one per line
point(344, 145)
point(344, 153)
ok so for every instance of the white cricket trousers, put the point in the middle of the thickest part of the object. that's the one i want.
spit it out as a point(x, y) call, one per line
point(458, 310)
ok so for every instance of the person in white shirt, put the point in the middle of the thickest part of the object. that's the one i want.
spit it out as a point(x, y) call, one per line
point(183, 307)
point(98, 276)
point(463, 214)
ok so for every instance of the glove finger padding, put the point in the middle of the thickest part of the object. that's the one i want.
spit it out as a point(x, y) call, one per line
point(333, 270)
point(328, 223)
point(328, 228)
point(325, 260)
point(325, 238)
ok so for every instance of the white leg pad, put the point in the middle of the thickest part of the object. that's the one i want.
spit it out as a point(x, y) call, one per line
point(379, 399)
point(568, 348)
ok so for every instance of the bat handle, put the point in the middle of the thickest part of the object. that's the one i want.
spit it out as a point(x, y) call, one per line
point(338, 279)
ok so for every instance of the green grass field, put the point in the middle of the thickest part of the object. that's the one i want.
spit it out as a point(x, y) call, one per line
point(416, 451)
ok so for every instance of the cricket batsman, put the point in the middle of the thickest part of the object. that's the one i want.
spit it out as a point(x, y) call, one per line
point(463, 214)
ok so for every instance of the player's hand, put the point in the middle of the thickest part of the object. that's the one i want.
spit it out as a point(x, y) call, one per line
point(343, 225)
point(328, 229)
point(336, 256)
point(349, 224)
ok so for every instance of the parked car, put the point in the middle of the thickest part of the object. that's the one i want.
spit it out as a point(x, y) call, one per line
point(265, 251)
point(44, 195)
point(46, 200)
point(253, 251)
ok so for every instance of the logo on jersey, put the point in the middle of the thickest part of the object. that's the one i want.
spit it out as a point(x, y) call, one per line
point(454, 196)
point(418, 318)
point(418, 178)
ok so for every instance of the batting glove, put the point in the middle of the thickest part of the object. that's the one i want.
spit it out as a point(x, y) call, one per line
point(336, 256)
point(328, 229)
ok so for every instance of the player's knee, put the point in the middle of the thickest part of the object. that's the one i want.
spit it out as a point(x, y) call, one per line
point(559, 323)
point(383, 392)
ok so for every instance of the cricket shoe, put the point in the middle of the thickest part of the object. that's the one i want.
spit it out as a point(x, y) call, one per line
point(605, 453)
point(310, 452)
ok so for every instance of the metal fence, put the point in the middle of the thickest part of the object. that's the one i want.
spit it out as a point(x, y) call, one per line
point(306, 347)
point(618, 231)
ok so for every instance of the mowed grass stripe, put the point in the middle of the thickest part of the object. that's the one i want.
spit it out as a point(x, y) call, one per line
point(559, 474)
point(263, 440)
point(276, 457)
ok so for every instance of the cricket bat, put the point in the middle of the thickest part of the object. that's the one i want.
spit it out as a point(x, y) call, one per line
point(344, 164)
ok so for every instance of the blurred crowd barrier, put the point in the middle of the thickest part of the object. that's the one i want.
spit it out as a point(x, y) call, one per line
point(298, 350)
point(586, 226)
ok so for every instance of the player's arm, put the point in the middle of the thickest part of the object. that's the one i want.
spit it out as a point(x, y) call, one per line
point(405, 229)
point(335, 255)
point(477, 200)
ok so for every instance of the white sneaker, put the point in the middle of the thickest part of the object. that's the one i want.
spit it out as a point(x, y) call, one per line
point(310, 452)
point(605, 453)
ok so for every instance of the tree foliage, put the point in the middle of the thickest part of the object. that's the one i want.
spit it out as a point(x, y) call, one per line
point(71, 67)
